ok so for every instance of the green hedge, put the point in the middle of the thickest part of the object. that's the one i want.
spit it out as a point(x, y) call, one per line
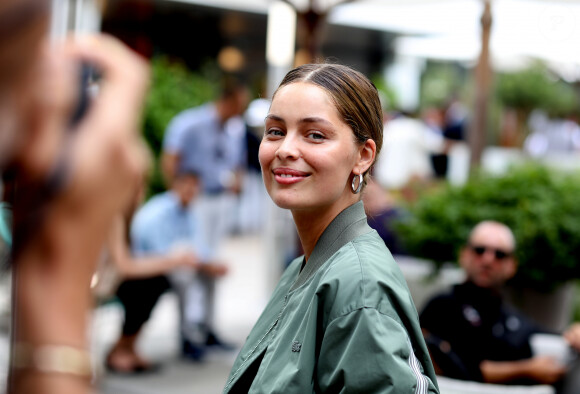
point(540, 205)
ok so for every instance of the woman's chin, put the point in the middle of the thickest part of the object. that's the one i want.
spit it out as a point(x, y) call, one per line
point(284, 204)
point(284, 198)
point(288, 202)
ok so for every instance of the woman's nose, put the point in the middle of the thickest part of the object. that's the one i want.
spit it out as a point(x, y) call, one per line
point(288, 148)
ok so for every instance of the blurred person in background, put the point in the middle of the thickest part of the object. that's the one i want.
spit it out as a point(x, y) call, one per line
point(473, 334)
point(382, 210)
point(341, 318)
point(455, 120)
point(70, 182)
point(408, 144)
point(166, 225)
point(450, 124)
point(433, 118)
point(143, 282)
point(210, 140)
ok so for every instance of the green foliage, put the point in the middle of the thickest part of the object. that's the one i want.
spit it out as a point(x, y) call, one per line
point(576, 308)
point(564, 100)
point(540, 205)
point(536, 88)
point(391, 101)
point(440, 82)
point(173, 89)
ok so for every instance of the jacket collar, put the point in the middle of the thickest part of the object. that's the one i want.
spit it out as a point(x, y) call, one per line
point(346, 226)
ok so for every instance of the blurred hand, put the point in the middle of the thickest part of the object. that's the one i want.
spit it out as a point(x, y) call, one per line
point(108, 153)
point(104, 156)
point(572, 335)
point(185, 259)
point(544, 369)
point(236, 181)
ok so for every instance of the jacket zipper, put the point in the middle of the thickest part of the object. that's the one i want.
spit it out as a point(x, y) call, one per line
point(258, 344)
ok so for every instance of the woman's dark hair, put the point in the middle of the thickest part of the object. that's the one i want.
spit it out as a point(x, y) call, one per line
point(354, 95)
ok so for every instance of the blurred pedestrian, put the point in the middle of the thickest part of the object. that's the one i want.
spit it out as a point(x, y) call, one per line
point(71, 179)
point(341, 318)
point(209, 140)
point(382, 210)
point(433, 118)
point(164, 225)
point(473, 334)
point(409, 144)
point(143, 281)
point(456, 120)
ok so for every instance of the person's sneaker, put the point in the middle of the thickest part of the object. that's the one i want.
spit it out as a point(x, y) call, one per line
point(215, 342)
point(192, 351)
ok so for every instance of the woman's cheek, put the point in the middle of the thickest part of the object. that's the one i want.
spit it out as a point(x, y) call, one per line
point(265, 154)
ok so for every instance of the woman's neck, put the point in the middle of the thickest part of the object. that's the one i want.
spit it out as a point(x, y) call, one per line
point(310, 224)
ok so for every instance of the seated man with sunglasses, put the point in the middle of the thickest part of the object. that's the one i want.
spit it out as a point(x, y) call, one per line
point(472, 334)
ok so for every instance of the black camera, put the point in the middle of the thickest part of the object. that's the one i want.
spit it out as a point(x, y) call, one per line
point(87, 77)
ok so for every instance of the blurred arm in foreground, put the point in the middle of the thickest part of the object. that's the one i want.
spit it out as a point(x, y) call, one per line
point(69, 186)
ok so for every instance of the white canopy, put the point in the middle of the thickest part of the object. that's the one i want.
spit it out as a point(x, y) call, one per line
point(450, 29)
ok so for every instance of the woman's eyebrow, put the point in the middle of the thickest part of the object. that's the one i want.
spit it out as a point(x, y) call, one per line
point(315, 119)
point(310, 119)
point(274, 117)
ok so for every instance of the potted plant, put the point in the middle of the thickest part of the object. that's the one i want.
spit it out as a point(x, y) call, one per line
point(540, 206)
point(535, 87)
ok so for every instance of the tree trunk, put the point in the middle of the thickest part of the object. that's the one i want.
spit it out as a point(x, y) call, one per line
point(477, 135)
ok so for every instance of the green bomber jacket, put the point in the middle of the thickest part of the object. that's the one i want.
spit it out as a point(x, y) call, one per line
point(346, 323)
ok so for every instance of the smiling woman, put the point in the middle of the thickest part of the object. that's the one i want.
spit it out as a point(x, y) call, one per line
point(341, 318)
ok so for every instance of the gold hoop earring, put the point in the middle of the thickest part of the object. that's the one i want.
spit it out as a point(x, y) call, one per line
point(357, 189)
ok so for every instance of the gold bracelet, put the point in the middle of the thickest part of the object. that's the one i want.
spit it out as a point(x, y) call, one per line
point(53, 359)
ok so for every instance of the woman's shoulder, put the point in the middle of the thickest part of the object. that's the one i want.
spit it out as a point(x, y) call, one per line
point(364, 274)
point(366, 255)
point(371, 249)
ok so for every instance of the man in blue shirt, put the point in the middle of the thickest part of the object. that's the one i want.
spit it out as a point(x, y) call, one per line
point(166, 223)
point(210, 140)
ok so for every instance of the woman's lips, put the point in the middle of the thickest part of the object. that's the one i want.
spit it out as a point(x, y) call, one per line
point(288, 176)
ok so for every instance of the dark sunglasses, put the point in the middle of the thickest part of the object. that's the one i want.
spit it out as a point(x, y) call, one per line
point(498, 253)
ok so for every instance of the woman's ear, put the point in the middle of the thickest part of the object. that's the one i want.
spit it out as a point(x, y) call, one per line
point(366, 156)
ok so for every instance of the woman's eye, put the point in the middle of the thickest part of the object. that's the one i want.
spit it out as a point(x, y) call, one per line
point(274, 132)
point(315, 135)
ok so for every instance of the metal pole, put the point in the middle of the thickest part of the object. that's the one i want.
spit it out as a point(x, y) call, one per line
point(280, 46)
point(78, 16)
